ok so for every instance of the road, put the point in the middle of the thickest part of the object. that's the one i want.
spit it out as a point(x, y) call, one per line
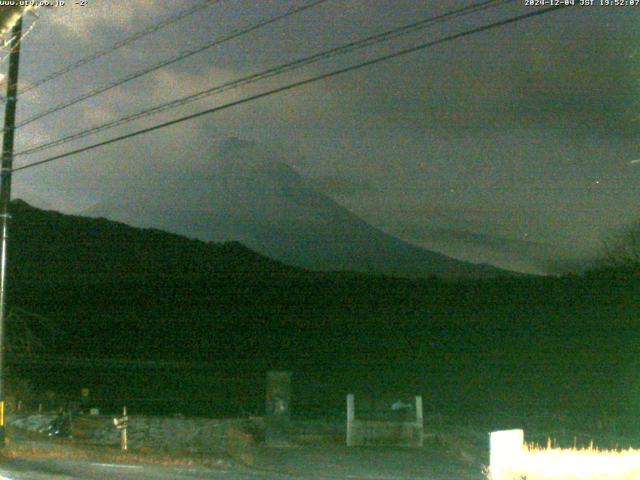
point(62, 469)
point(58, 469)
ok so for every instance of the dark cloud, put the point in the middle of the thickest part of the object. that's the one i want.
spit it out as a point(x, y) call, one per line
point(531, 126)
point(577, 72)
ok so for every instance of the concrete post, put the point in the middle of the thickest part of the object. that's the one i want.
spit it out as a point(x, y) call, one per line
point(278, 399)
point(350, 418)
point(506, 448)
point(419, 420)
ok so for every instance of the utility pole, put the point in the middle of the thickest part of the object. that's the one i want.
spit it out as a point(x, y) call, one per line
point(5, 196)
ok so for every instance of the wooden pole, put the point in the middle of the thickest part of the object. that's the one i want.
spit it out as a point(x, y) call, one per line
point(123, 432)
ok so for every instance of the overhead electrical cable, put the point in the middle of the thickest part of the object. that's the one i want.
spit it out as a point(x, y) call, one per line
point(121, 43)
point(297, 84)
point(12, 43)
point(176, 58)
point(271, 72)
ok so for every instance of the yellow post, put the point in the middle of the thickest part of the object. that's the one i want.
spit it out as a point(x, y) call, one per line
point(4, 436)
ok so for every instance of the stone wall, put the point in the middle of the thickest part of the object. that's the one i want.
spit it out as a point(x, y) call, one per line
point(236, 437)
point(372, 433)
point(195, 435)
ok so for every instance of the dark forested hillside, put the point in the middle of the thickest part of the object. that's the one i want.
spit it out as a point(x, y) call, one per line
point(50, 246)
point(112, 291)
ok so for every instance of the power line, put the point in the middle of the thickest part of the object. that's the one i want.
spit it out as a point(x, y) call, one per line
point(119, 362)
point(271, 72)
point(121, 43)
point(219, 364)
point(298, 84)
point(13, 42)
point(164, 63)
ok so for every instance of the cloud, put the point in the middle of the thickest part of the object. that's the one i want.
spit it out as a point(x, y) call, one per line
point(514, 120)
point(578, 75)
point(85, 21)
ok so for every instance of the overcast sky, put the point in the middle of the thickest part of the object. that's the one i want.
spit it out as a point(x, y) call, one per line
point(528, 131)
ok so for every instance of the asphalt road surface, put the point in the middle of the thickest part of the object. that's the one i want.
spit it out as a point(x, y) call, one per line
point(65, 469)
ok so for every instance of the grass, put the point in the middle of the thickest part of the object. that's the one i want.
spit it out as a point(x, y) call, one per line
point(537, 463)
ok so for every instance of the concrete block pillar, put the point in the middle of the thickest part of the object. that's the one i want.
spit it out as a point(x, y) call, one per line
point(507, 446)
point(278, 408)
